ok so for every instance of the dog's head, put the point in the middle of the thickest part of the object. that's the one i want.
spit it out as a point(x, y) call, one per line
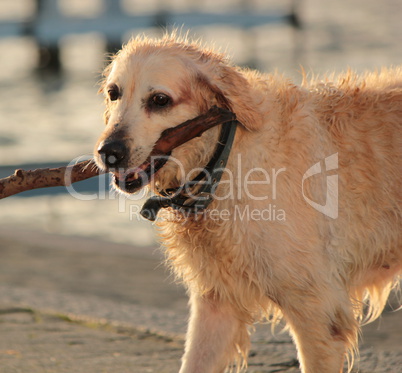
point(153, 85)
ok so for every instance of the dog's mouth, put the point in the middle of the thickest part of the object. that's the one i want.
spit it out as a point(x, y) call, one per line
point(132, 180)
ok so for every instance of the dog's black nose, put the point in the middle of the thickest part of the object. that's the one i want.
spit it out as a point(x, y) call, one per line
point(113, 152)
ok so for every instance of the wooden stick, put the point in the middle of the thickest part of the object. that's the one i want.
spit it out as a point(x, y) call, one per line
point(22, 180)
point(171, 138)
point(176, 136)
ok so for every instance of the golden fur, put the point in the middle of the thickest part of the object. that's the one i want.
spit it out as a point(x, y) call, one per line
point(317, 272)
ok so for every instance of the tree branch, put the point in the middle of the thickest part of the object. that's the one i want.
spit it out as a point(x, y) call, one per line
point(22, 180)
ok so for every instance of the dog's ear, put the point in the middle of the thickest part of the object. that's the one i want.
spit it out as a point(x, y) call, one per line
point(212, 91)
point(231, 90)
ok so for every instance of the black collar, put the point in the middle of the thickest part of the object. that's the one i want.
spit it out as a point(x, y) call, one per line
point(206, 181)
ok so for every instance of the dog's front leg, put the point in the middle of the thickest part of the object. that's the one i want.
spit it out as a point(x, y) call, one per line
point(214, 337)
point(322, 330)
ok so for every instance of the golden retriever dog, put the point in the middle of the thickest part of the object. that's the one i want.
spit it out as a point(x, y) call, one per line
point(305, 224)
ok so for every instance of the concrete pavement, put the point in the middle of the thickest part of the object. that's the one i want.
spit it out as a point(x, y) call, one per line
point(70, 304)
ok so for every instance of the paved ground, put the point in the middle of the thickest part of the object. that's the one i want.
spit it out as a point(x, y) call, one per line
point(85, 306)
point(34, 342)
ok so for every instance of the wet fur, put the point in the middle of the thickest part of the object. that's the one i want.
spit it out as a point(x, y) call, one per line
point(318, 274)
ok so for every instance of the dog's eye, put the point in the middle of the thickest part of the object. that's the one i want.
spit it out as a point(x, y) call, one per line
point(113, 92)
point(160, 99)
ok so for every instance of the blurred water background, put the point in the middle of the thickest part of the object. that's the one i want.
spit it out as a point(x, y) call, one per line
point(50, 118)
